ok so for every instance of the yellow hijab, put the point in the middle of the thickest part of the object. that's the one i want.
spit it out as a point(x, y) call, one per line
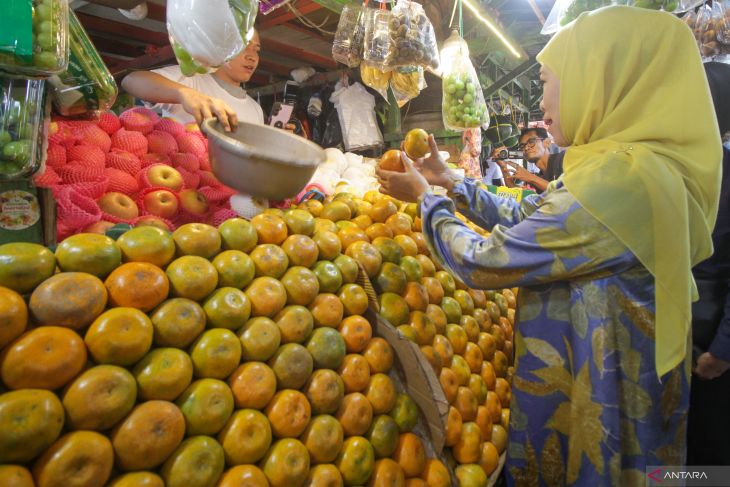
point(645, 153)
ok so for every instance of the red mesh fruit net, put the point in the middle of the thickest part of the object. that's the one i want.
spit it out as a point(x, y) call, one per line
point(93, 189)
point(151, 159)
point(76, 210)
point(159, 142)
point(139, 119)
point(205, 163)
point(121, 182)
point(182, 160)
point(191, 143)
point(207, 178)
point(88, 155)
point(222, 215)
point(56, 155)
point(109, 122)
point(114, 219)
point(170, 126)
point(192, 179)
point(75, 172)
point(47, 179)
point(124, 161)
point(92, 134)
point(130, 141)
point(216, 195)
point(65, 135)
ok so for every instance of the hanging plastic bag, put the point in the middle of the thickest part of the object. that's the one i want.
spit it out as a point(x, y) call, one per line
point(348, 43)
point(407, 84)
point(704, 31)
point(268, 6)
point(675, 6)
point(377, 37)
point(463, 104)
point(206, 33)
point(87, 84)
point(22, 115)
point(375, 78)
point(34, 37)
point(412, 38)
point(356, 112)
point(722, 27)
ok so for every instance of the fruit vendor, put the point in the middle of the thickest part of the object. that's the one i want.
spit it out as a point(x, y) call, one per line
point(603, 257)
point(709, 421)
point(196, 98)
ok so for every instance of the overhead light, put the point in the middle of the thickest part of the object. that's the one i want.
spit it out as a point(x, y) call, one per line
point(492, 27)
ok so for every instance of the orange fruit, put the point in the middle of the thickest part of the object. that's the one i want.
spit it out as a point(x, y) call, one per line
point(488, 375)
point(499, 336)
point(328, 275)
point(246, 437)
point(434, 290)
point(471, 474)
point(505, 418)
point(376, 230)
point(381, 393)
point(470, 326)
point(483, 319)
point(147, 244)
point(292, 364)
point(323, 438)
point(336, 211)
point(449, 383)
point(325, 391)
point(407, 245)
point(367, 255)
point(447, 283)
point(499, 437)
point(452, 309)
point(327, 348)
point(466, 403)
point(416, 296)
point(235, 269)
point(399, 224)
point(99, 398)
point(327, 310)
point(478, 387)
point(197, 239)
point(302, 285)
point(177, 322)
point(30, 421)
point(412, 269)
point(389, 250)
point(363, 221)
point(260, 339)
point(387, 473)
point(468, 448)
point(78, 458)
point(269, 260)
point(348, 268)
point(501, 363)
point(442, 347)
point(197, 461)
point(191, 277)
point(410, 455)
point(383, 435)
point(357, 332)
point(289, 413)
point(328, 244)
point(436, 474)
point(503, 391)
point(421, 243)
point(70, 299)
point(438, 317)
point(243, 476)
point(405, 413)
point(479, 297)
point(206, 405)
point(488, 457)
point(461, 369)
point(354, 299)
point(299, 222)
point(148, 435)
point(120, 336)
point(286, 464)
point(394, 309)
point(379, 355)
point(427, 266)
point(25, 265)
point(457, 337)
point(295, 324)
point(46, 357)
point(355, 373)
point(325, 225)
point(423, 327)
point(13, 316)
point(390, 279)
point(301, 250)
point(391, 161)
point(314, 207)
point(238, 234)
point(454, 424)
point(416, 143)
point(493, 406)
point(325, 475)
point(227, 307)
point(487, 345)
point(473, 357)
point(267, 296)
point(16, 476)
point(433, 358)
point(484, 421)
point(253, 385)
point(406, 331)
point(271, 229)
point(88, 252)
point(215, 354)
point(382, 210)
point(356, 460)
point(466, 303)
point(351, 235)
point(163, 374)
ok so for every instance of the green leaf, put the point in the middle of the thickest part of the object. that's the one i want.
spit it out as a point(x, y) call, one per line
point(598, 344)
point(557, 376)
point(544, 351)
point(635, 401)
point(629, 441)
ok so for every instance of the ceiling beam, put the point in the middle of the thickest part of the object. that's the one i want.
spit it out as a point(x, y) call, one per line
point(159, 57)
point(296, 26)
point(275, 68)
point(156, 12)
point(301, 55)
point(98, 24)
point(113, 46)
point(305, 7)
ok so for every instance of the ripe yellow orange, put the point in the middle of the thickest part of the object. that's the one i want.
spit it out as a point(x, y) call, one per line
point(391, 161)
point(271, 229)
point(416, 143)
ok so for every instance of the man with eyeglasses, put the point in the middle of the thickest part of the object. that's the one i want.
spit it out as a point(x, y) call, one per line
point(535, 146)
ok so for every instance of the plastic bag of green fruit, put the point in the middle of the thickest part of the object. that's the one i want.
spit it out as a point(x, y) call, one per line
point(86, 85)
point(412, 38)
point(463, 104)
point(34, 37)
point(22, 118)
point(204, 34)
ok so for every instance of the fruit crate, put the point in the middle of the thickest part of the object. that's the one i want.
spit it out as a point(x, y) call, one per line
point(44, 48)
point(22, 125)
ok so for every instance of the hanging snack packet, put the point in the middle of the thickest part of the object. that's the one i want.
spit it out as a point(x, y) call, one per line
point(463, 104)
point(348, 44)
point(377, 37)
point(412, 38)
point(407, 84)
point(375, 78)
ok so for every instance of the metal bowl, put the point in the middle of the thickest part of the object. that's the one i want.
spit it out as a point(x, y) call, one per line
point(261, 161)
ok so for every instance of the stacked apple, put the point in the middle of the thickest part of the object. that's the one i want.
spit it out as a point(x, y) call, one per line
point(206, 357)
point(136, 169)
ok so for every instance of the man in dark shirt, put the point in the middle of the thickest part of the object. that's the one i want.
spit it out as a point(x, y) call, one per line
point(535, 146)
point(709, 412)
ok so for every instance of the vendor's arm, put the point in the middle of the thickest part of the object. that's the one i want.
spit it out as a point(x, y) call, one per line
point(559, 241)
point(155, 88)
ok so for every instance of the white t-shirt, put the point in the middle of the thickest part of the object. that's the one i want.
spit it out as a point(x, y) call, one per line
point(245, 107)
point(493, 171)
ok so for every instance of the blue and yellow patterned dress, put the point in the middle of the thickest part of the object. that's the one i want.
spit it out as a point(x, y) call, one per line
point(587, 406)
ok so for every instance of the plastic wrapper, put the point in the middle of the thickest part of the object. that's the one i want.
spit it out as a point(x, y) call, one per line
point(34, 41)
point(87, 84)
point(376, 46)
point(375, 78)
point(356, 113)
point(412, 38)
point(268, 6)
point(349, 37)
point(407, 85)
point(463, 104)
point(206, 33)
point(22, 115)
point(722, 27)
point(711, 28)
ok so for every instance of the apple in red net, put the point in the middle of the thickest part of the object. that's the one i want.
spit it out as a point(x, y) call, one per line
point(152, 221)
point(119, 205)
point(161, 203)
point(164, 176)
point(99, 227)
point(194, 202)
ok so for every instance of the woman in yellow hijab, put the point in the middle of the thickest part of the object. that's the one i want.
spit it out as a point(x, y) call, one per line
point(601, 383)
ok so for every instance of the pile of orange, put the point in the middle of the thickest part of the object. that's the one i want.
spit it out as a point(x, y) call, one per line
point(208, 357)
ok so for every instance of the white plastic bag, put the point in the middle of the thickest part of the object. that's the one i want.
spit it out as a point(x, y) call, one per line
point(356, 111)
point(463, 104)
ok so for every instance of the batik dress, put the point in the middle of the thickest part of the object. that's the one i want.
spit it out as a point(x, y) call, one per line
point(587, 406)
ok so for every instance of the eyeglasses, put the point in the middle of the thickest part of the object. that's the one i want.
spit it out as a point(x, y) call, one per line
point(529, 143)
